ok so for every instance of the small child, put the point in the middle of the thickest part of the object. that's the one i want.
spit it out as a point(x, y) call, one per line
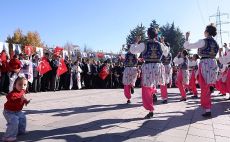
point(16, 120)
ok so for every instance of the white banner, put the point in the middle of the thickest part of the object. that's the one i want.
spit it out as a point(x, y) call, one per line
point(4, 46)
point(17, 49)
point(65, 53)
point(39, 51)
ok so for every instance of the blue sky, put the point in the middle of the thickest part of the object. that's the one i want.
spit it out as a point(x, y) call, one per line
point(104, 24)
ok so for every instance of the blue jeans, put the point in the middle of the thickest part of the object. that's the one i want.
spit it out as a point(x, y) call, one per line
point(16, 123)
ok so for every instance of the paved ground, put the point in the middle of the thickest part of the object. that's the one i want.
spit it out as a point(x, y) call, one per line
point(103, 116)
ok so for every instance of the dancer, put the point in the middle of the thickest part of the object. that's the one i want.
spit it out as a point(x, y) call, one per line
point(182, 80)
point(223, 83)
point(166, 61)
point(207, 50)
point(222, 75)
point(193, 67)
point(152, 70)
point(16, 120)
point(131, 71)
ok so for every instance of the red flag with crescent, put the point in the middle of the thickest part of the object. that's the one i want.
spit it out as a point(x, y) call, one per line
point(43, 66)
point(62, 67)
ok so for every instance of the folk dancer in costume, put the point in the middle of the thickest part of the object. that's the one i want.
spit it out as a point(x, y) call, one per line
point(223, 82)
point(130, 72)
point(167, 62)
point(152, 70)
point(223, 69)
point(182, 80)
point(208, 68)
point(193, 69)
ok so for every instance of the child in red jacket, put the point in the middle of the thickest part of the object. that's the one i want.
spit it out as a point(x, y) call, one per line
point(16, 120)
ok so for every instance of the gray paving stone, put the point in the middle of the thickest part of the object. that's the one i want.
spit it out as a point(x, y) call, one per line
point(145, 134)
point(202, 126)
point(174, 133)
point(223, 133)
point(109, 138)
point(192, 138)
point(167, 138)
point(102, 115)
point(201, 133)
point(222, 139)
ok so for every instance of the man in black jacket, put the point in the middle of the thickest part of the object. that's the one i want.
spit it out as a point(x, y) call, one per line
point(65, 77)
point(46, 78)
point(87, 72)
point(54, 83)
point(95, 69)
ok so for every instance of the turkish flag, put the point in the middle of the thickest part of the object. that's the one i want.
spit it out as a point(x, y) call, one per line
point(3, 57)
point(28, 50)
point(103, 73)
point(58, 50)
point(100, 55)
point(43, 66)
point(61, 68)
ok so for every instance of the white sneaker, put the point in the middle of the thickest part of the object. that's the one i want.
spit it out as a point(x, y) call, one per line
point(8, 139)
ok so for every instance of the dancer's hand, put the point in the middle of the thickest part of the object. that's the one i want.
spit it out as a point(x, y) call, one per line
point(187, 36)
point(220, 49)
point(27, 102)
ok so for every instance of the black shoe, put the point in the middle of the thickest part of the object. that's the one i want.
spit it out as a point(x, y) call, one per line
point(212, 89)
point(154, 98)
point(149, 115)
point(194, 97)
point(132, 90)
point(189, 93)
point(207, 114)
point(164, 102)
point(183, 99)
point(128, 102)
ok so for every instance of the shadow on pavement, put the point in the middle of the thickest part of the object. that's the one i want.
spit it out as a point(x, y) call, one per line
point(150, 127)
point(87, 109)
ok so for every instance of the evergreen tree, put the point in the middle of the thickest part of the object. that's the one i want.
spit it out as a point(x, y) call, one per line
point(154, 24)
point(174, 37)
point(139, 30)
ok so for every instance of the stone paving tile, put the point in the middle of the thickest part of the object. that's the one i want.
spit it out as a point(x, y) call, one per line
point(192, 138)
point(222, 139)
point(121, 131)
point(145, 134)
point(167, 138)
point(155, 124)
point(223, 133)
point(202, 126)
point(174, 133)
point(221, 126)
point(130, 125)
point(102, 115)
point(138, 140)
point(201, 133)
point(109, 138)
point(178, 124)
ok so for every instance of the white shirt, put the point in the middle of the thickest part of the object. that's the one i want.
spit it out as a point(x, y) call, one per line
point(199, 44)
point(225, 59)
point(138, 48)
point(178, 61)
point(193, 63)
